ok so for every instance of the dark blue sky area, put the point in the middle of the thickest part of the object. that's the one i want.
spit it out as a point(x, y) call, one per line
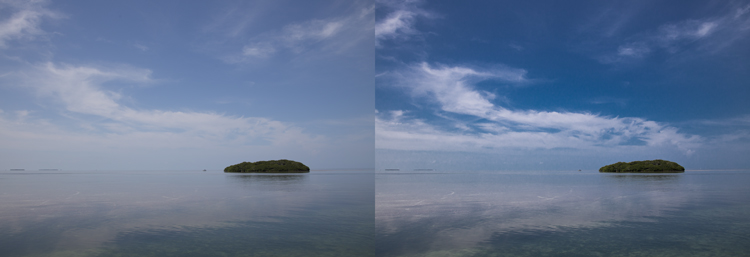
point(680, 64)
point(560, 44)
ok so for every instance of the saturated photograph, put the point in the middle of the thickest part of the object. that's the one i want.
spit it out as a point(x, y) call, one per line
point(562, 128)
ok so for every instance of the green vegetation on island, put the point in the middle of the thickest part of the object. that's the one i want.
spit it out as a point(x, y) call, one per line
point(278, 166)
point(653, 166)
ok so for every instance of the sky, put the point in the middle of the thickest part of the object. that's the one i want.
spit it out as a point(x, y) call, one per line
point(174, 85)
point(490, 85)
point(561, 85)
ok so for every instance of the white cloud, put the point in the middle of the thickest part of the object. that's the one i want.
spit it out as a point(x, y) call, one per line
point(296, 36)
point(687, 30)
point(25, 22)
point(635, 50)
point(452, 89)
point(258, 50)
point(78, 88)
point(312, 30)
point(84, 123)
point(81, 90)
point(740, 12)
point(331, 35)
point(141, 47)
point(450, 86)
point(399, 23)
point(712, 34)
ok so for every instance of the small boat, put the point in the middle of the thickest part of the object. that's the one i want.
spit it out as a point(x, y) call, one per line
point(204, 169)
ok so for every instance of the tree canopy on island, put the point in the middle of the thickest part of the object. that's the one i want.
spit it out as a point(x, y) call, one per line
point(653, 166)
point(277, 166)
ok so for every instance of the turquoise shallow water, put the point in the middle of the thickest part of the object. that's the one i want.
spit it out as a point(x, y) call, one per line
point(696, 213)
point(186, 213)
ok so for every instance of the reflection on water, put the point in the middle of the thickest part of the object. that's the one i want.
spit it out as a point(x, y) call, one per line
point(561, 214)
point(298, 237)
point(185, 214)
point(274, 182)
point(645, 177)
point(266, 178)
point(271, 181)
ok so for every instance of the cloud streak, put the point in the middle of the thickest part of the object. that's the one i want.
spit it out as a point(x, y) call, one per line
point(400, 21)
point(81, 91)
point(499, 127)
point(711, 34)
point(331, 35)
point(25, 22)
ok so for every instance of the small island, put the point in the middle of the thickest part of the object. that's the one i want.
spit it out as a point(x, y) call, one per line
point(277, 166)
point(653, 166)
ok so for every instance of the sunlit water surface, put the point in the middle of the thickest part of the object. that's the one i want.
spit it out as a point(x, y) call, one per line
point(696, 213)
point(186, 213)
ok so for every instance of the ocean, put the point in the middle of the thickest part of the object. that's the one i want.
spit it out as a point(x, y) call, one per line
point(186, 213)
point(562, 213)
point(331, 213)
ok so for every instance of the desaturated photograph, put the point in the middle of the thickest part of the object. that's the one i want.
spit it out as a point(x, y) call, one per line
point(186, 128)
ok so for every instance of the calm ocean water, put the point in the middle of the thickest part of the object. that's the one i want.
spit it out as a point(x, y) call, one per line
point(331, 213)
point(186, 213)
point(696, 213)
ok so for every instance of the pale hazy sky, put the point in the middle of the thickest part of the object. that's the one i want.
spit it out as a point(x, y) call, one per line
point(185, 84)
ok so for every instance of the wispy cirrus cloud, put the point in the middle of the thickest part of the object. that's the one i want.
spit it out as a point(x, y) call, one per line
point(81, 90)
point(400, 20)
point(328, 35)
point(452, 88)
point(710, 34)
point(25, 21)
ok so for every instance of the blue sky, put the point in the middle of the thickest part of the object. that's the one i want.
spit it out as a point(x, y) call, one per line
point(561, 85)
point(185, 84)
